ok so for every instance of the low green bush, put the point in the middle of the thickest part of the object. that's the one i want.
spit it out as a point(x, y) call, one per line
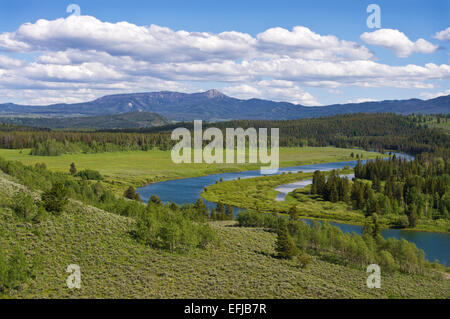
point(23, 206)
point(13, 270)
point(55, 199)
point(89, 174)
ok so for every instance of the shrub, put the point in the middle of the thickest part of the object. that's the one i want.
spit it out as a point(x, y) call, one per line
point(55, 199)
point(303, 259)
point(73, 169)
point(42, 166)
point(89, 174)
point(294, 213)
point(131, 193)
point(257, 219)
point(402, 222)
point(386, 261)
point(250, 219)
point(271, 221)
point(155, 200)
point(41, 214)
point(23, 206)
point(13, 270)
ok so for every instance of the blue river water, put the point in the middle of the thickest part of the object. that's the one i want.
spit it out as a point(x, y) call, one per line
point(188, 190)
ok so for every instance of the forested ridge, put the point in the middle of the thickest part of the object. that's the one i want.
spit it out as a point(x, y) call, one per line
point(409, 134)
point(368, 131)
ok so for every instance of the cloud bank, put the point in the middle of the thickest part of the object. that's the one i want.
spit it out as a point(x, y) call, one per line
point(81, 57)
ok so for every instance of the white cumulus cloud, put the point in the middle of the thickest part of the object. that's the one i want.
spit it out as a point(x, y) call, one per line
point(443, 35)
point(431, 95)
point(302, 42)
point(398, 42)
point(276, 90)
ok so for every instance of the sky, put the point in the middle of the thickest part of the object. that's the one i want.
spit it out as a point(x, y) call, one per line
point(312, 53)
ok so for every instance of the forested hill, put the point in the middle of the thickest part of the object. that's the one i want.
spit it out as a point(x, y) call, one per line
point(413, 134)
point(118, 121)
point(409, 134)
point(216, 106)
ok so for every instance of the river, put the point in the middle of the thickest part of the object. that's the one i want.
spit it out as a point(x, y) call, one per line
point(188, 190)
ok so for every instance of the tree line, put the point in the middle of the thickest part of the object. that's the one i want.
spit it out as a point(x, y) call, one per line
point(382, 131)
point(377, 131)
point(298, 239)
point(406, 190)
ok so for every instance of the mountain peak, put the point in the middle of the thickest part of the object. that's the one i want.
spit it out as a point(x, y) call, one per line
point(214, 93)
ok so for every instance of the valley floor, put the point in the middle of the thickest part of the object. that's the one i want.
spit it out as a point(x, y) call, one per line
point(138, 168)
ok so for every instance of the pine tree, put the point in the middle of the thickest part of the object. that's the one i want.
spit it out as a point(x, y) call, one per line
point(376, 225)
point(334, 194)
point(412, 215)
point(73, 169)
point(367, 228)
point(294, 213)
point(201, 207)
point(358, 169)
point(285, 246)
point(344, 194)
point(318, 183)
point(229, 212)
point(131, 193)
point(55, 199)
point(220, 210)
point(213, 214)
point(376, 186)
point(155, 200)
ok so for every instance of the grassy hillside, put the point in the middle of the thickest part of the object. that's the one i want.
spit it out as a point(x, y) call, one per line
point(139, 168)
point(240, 265)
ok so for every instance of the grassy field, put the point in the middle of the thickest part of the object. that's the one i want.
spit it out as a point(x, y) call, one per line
point(138, 168)
point(259, 194)
point(240, 265)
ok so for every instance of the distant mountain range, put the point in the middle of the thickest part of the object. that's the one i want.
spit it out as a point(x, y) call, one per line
point(214, 106)
point(114, 121)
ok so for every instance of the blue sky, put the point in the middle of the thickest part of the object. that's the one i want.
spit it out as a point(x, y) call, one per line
point(51, 64)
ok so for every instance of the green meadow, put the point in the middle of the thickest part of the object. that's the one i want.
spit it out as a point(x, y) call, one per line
point(139, 168)
point(259, 194)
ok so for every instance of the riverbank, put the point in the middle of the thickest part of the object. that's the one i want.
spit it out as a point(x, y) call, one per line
point(260, 194)
point(140, 168)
